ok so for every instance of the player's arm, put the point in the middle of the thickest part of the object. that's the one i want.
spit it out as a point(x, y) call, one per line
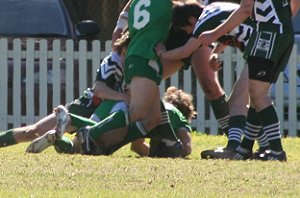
point(295, 5)
point(178, 53)
point(121, 25)
point(184, 135)
point(140, 147)
point(103, 91)
point(238, 16)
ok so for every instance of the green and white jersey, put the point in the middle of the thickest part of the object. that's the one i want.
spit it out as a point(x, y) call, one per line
point(149, 23)
point(215, 14)
point(177, 119)
point(276, 12)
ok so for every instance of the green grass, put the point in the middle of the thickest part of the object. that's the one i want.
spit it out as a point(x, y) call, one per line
point(124, 174)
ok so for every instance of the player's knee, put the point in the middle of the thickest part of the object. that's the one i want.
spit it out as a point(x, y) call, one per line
point(212, 94)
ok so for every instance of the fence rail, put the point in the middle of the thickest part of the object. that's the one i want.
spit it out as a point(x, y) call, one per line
point(34, 79)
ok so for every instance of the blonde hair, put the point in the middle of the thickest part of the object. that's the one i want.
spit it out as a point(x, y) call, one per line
point(181, 100)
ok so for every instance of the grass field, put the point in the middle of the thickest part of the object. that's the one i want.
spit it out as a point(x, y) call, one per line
point(124, 174)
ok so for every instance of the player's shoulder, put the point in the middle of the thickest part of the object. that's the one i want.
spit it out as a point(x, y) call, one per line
point(111, 60)
point(171, 108)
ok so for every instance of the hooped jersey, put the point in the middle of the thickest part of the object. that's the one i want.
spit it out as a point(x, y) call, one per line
point(111, 72)
point(215, 14)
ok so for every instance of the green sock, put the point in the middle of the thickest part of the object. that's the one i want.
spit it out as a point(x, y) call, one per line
point(115, 120)
point(64, 145)
point(7, 138)
point(79, 121)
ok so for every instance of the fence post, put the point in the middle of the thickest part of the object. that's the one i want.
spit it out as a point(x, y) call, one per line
point(30, 100)
point(292, 98)
point(3, 83)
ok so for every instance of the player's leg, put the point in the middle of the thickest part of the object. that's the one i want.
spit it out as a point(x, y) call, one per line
point(48, 139)
point(27, 133)
point(170, 67)
point(208, 79)
point(166, 135)
point(265, 65)
point(144, 113)
point(63, 124)
point(238, 101)
point(267, 116)
point(143, 75)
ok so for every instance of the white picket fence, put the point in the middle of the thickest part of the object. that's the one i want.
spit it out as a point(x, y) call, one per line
point(61, 74)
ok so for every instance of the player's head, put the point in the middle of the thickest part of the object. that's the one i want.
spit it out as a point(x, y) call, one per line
point(181, 100)
point(186, 15)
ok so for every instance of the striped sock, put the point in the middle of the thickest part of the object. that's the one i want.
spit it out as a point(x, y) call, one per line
point(262, 139)
point(236, 128)
point(252, 129)
point(220, 108)
point(270, 122)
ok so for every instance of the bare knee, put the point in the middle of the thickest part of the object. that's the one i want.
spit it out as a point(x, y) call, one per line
point(149, 121)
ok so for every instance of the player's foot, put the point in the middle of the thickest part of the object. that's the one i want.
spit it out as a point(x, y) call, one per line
point(84, 140)
point(270, 155)
point(212, 153)
point(43, 142)
point(242, 154)
point(219, 153)
point(259, 151)
point(63, 120)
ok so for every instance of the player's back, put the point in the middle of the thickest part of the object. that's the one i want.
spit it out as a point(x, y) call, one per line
point(149, 22)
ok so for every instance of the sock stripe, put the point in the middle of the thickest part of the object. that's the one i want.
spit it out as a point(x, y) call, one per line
point(253, 127)
point(235, 134)
point(223, 122)
point(263, 140)
point(271, 126)
point(127, 119)
point(141, 127)
point(272, 131)
point(251, 131)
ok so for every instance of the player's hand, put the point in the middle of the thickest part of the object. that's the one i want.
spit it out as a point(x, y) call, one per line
point(207, 38)
point(159, 49)
point(214, 62)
